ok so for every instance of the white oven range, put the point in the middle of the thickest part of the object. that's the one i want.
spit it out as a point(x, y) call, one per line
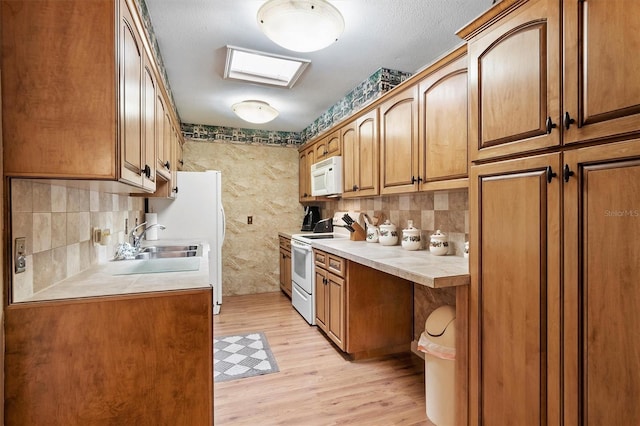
point(302, 272)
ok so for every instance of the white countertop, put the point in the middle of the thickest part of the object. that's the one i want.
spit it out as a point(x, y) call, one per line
point(419, 266)
point(102, 279)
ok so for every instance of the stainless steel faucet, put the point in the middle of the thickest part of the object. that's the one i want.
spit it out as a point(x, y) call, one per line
point(135, 238)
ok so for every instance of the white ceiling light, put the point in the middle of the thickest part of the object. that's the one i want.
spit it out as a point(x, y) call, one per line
point(301, 25)
point(255, 111)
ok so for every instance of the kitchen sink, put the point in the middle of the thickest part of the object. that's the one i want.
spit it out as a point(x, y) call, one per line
point(163, 252)
point(154, 259)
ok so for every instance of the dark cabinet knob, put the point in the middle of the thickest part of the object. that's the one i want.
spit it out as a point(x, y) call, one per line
point(550, 174)
point(167, 165)
point(146, 171)
point(355, 187)
point(181, 162)
point(550, 125)
point(568, 121)
point(175, 189)
point(567, 173)
point(416, 179)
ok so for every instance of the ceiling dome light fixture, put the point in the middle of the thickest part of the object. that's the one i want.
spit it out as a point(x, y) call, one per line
point(255, 111)
point(301, 25)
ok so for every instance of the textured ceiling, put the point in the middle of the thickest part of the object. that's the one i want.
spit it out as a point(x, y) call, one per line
point(403, 35)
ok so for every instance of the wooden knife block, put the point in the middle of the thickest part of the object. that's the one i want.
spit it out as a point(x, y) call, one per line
point(358, 234)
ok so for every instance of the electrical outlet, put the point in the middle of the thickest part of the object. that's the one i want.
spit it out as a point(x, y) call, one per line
point(249, 220)
point(20, 254)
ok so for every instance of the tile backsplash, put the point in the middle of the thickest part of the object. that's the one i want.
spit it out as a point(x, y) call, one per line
point(56, 222)
point(447, 211)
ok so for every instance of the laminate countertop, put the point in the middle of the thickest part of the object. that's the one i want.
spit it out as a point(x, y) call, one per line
point(114, 279)
point(419, 266)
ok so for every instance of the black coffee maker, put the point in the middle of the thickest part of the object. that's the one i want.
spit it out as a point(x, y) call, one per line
point(311, 217)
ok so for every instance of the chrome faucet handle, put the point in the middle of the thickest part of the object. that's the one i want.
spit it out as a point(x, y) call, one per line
point(135, 239)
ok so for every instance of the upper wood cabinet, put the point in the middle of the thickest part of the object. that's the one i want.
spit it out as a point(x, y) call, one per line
point(514, 82)
point(79, 85)
point(601, 90)
point(360, 146)
point(306, 160)
point(399, 142)
point(443, 125)
point(328, 146)
point(516, 86)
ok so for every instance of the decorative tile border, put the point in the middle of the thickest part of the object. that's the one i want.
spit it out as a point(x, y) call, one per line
point(232, 134)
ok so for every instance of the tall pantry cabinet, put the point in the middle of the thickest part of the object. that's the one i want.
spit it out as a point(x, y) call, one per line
point(555, 206)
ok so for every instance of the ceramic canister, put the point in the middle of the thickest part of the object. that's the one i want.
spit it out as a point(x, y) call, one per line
point(373, 233)
point(411, 237)
point(388, 234)
point(439, 245)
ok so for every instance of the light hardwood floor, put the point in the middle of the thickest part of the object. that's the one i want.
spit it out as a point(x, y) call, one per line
point(316, 385)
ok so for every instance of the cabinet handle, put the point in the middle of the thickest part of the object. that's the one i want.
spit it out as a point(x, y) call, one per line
point(181, 162)
point(414, 179)
point(568, 121)
point(355, 187)
point(146, 171)
point(550, 174)
point(567, 173)
point(167, 165)
point(550, 125)
point(175, 189)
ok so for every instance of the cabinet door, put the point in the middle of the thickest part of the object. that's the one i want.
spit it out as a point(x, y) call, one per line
point(350, 160)
point(320, 149)
point(161, 123)
point(443, 126)
point(334, 144)
point(336, 317)
point(149, 128)
point(130, 99)
point(285, 271)
point(515, 291)
point(322, 301)
point(514, 83)
point(306, 161)
point(601, 293)
point(367, 142)
point(601, 88)
point(399, 142)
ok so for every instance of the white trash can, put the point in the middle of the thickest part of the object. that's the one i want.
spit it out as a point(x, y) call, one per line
point(438, 344)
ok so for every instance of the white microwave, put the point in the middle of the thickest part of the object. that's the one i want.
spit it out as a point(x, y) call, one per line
point(326, 177)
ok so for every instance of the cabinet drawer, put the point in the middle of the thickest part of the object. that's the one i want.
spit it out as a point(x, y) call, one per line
point(336, 264)
point(320, 259)
point(285, 243)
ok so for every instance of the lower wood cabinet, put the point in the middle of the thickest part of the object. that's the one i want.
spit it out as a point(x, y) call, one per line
point(601, 302)
point(285, 265)
point(515, 292)
point(143, 359)
point(365, 312)
point(555, 301)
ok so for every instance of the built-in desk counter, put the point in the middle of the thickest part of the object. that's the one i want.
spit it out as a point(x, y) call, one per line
point(419, 266)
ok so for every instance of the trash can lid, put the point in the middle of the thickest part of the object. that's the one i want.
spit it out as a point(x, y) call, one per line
point(439, 319)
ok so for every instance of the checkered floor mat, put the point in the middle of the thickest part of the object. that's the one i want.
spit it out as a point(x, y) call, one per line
point(241, 356)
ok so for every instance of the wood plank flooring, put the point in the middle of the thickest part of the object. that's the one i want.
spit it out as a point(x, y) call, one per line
point(316, 385)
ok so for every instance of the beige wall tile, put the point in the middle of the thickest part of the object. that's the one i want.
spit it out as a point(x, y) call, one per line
point(58, 229)
point(41, 197)
point(22, 226)
point(43, 270)
point(58, 198)
point(441, 201)
point(41, 232)
point(21, 195)
point(23, 283)
point(73, 259)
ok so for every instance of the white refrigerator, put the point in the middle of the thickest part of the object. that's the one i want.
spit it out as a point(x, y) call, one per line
point(196, 213)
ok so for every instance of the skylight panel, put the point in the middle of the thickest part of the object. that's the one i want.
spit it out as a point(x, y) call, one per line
point(263, 68)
